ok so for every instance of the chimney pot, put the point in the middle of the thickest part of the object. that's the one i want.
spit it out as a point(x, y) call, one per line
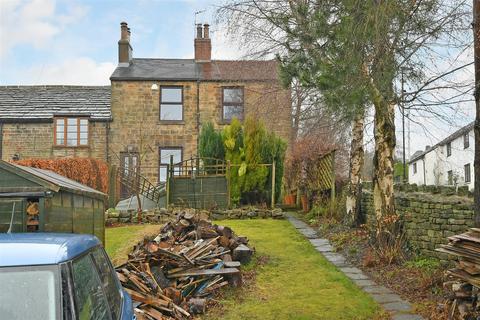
point(124, 47)
point(123, 31)
point(206, 31)
point(199, 31)
point(203, 44)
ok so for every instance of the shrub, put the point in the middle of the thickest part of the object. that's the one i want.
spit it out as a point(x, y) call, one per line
point(210, 144)
point(233, 142)
point(254, 141)
point(90, 172)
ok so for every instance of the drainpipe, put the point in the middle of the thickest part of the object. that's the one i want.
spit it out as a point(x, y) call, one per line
point(1, 140)
point(424, 172)
point(198, 114)
point(107, 141)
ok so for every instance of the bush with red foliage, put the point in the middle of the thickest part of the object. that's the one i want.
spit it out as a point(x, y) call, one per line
point(90, 172)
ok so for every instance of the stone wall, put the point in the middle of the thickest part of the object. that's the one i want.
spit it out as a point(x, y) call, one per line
point(137, 127)
point(35, 140)
point(429, 218)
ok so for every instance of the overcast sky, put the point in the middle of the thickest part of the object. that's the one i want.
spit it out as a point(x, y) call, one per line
point(75, 42)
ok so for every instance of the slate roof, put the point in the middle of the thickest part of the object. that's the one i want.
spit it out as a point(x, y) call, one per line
point(460, 132)
point(189, 70)
point(44, 102)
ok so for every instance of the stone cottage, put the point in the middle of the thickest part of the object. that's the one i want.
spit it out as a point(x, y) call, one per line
point(154, 108)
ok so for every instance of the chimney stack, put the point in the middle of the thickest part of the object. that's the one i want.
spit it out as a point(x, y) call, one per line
point(203, 44)
point(124, 47)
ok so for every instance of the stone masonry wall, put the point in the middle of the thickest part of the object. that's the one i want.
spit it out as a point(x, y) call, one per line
point(428, 218)
point(35, 140)
point(137, 127)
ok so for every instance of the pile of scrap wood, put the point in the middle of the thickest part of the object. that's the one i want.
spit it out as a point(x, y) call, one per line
point(464, 280)
point(173, 275)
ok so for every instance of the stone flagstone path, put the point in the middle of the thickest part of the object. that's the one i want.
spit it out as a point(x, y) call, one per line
point(399, 308)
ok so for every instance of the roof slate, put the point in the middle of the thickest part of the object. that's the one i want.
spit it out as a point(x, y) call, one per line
point(45, 102)
point(189, 70)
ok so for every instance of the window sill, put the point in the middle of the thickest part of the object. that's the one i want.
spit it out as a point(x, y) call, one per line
point(182, 122)
point(71, 147)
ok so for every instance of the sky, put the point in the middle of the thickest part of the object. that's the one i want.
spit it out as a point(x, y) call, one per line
point(74, 42)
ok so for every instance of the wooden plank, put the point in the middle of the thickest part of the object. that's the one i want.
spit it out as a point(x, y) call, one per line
point(208, 272)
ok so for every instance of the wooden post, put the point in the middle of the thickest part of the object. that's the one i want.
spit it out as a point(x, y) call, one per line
point(273, 184)
point(333, 176)
point(170, 174)
point(112, 186)
point(167, 187)
point(476, 165)
point(228, 184)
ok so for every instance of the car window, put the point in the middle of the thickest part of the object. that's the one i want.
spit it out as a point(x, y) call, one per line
point(29, 293)
point(110, 284)
point(89, 297)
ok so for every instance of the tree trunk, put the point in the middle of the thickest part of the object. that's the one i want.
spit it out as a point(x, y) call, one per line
point(384, 132)
point(476, 166)
point(356, 165)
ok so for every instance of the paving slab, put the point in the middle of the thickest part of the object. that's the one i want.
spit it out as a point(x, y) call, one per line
point(364, 283)
point(377, 289)
point(297, 223)
point(319, 242)
point(406, 316)
point(324, 248)
point(383, 298)
point(308, 232)
point(356, 276)
point(398, 306)
point(351, 270)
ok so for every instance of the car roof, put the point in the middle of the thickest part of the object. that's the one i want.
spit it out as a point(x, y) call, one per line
point(24, 249)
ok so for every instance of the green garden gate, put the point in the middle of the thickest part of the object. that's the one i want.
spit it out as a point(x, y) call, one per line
point(199, 183)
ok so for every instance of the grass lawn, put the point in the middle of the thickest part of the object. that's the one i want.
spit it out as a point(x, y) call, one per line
point(293, 281)
point(296, 282)
point(120, 240)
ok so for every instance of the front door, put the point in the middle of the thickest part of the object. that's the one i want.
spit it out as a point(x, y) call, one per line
point(129, 170)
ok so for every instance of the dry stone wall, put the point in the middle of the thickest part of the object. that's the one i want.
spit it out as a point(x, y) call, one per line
point(428, 218)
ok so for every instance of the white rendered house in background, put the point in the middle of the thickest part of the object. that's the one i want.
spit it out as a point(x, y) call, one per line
point(448, 163)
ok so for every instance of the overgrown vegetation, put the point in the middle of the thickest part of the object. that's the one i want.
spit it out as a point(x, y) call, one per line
point(247, 147)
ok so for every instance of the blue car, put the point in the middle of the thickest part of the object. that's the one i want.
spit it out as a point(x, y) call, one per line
point(50, 276)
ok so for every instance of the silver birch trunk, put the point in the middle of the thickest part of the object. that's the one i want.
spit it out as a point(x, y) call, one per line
point(384, 132)
point(356, 164)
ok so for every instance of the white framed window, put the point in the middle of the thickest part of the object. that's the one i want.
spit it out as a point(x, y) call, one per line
point(171, 103)
point(232, 103)
point(468, 174)
point(165, 154)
